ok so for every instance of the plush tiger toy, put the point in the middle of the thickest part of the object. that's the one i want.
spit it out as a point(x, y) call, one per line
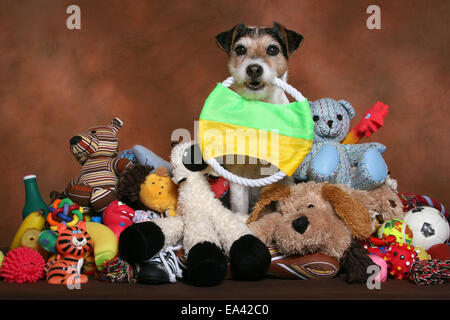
point(73, 245)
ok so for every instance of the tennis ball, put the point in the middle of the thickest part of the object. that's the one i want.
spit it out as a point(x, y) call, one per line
point(397, 228)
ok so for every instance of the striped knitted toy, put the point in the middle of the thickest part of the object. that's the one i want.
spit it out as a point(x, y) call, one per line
point(96, 149)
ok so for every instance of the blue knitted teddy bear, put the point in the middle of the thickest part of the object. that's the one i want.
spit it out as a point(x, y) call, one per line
point(360, 166)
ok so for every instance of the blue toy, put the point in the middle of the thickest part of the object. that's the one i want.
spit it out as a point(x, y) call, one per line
point(360, 166)
point(142, 155)
point(146, 157)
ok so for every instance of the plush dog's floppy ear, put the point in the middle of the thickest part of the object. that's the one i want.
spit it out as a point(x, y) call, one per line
point(225, 40)
point(292, 39)
point(355, 215)
point(268, 200)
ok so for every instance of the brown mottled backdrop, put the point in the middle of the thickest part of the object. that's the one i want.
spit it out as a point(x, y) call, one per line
point(152, 63)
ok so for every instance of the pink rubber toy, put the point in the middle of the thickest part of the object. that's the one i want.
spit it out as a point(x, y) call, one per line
point(382, 275)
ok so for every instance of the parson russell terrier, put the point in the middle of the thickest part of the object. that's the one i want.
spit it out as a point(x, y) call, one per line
point(256, 56)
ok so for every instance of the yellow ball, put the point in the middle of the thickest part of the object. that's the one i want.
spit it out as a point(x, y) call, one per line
point(397, 228)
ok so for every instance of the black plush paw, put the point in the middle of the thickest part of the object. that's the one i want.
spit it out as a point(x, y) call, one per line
point(206, 264)
point(249, 258)
point(140, 241)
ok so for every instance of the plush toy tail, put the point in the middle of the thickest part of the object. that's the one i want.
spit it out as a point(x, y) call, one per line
point(116, 124)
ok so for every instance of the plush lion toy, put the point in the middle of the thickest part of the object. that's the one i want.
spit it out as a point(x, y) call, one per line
point(96, 149)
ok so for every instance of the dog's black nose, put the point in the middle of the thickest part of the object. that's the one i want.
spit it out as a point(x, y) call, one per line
point(254, 70)
point(300, 224)
point(74, 140)
point(330, 123)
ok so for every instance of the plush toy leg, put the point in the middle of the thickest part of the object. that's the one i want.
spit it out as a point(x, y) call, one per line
point(140, 242)
point(324, 166)
point(206, 264)
point(101, 198)
point(239, 198)
point(249, 258)
point(371, 171)
point(79, 193)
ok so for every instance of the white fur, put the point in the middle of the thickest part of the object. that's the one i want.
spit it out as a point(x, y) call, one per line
point(200, 216)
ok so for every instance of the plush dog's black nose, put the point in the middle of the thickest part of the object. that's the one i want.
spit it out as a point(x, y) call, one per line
point(254, 70)
point(300, 224)
point(330, 123)
point(74, 140)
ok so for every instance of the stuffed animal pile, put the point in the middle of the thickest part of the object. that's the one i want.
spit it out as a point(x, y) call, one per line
point(133, 217)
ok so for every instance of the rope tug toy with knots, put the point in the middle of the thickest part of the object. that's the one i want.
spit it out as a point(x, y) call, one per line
point(224, 110)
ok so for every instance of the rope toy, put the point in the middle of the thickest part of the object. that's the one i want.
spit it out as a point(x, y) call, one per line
point(64, 211)
point(305, 141)
point(412, 200)
point(118, 270)
point(428, 272)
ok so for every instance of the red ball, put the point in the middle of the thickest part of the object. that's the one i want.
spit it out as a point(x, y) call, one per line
point(400, 258)
point(22, 265)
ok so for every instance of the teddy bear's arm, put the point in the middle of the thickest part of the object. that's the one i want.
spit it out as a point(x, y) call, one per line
point(264, 228)
point(301, 172)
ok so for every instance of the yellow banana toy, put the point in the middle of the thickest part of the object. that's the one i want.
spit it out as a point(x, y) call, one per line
point(34, 220)
point(30, 239)
point(106, 245)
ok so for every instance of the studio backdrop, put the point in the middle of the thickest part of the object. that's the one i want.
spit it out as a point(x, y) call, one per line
point(153, 63)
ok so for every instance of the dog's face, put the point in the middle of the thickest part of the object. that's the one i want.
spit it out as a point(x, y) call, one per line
point(96, 141)
point(257, 56)
point(307, 221)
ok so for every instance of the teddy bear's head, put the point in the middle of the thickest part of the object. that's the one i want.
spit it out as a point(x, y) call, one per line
point(96, 141)
point(331, 118)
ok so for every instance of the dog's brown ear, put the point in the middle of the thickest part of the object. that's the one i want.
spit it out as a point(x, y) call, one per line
point(291, 39)
point(268, 200)
point(225, 40)
point(355, 215)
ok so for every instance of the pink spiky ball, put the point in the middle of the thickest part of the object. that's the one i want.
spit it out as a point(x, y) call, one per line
point(22, 265)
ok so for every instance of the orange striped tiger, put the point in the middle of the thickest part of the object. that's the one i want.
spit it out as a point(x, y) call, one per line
point(73, 244)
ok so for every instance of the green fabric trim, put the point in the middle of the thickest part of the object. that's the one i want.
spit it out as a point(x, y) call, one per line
point(292, 120)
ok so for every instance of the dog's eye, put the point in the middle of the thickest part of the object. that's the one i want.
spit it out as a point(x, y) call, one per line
point(311, 206)
point(93, 131)
point(240, 50)
point(339, 117)
point(272, 50)
point(316, 118)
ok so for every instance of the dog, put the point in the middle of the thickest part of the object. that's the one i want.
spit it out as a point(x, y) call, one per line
point(256, 56)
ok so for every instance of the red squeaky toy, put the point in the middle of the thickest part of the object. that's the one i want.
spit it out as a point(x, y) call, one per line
point(23, 265)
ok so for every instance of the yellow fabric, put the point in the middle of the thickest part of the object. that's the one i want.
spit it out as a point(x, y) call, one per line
point(220, 139)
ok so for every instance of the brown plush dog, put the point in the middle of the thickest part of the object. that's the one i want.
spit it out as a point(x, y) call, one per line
point(308, 218)
point(383, 203)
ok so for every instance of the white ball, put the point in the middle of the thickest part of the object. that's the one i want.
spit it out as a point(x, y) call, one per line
point(428, 225)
